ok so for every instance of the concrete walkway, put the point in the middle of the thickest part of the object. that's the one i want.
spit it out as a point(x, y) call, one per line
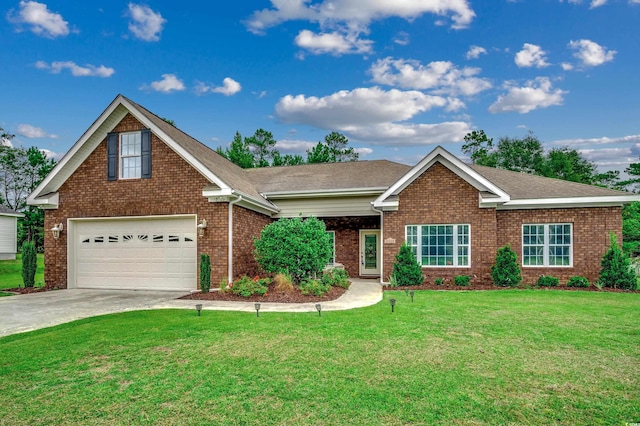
point(28, 312)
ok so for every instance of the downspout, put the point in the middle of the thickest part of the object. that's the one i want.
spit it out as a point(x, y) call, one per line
point(381, 242)
point(230, 241)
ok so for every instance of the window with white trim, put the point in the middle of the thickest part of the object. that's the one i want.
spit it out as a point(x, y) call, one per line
point(332, 238)
point(130, 155)
point(440, 245)
point(549, 244)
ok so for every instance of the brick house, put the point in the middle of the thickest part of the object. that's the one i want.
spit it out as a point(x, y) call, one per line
point(137, 200)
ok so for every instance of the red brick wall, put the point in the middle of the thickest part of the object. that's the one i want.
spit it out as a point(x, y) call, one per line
point(439, 196)
point(247, 225)
point(174, 188)
point(591, 227)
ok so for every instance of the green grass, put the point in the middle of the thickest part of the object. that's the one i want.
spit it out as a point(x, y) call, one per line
point(11, 272)
point(495, 357)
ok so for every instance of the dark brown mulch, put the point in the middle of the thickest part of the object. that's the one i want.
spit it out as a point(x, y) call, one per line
point(479, 286)
point(270, 296)
point(25, 290)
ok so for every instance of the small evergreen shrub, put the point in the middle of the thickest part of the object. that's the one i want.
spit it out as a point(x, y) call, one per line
point(439, 281)
point(462, 280)
point(335, 278)
point(615, 270)
point(247, 287)
point(547, 281)
point(29, 263)
point(578, 282)
point(406, 269)
point(314, 287)
point(205, 273)
point(283, 283)
point(506, 272)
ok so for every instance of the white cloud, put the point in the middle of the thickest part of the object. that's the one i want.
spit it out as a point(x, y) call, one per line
point(50, 154)
point(474, 52)
point(356, 13)
point(333, 42)
point(373, 115)
point(229, 87)
point(442, 77)
point(594, 3)
point(6, 142)
point(590, 53)
point(292, 146)
point(566, 66)
point(145, 24)
point(535, 94)
point(402, 38)
point(87, 70)
point(363, 151)
point(169, 83)
point(630, 139)
point(531, 55)
point(31, 132)
point(42, 21)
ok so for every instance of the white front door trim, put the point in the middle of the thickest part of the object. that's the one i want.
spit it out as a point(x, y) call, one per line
point(364, 270)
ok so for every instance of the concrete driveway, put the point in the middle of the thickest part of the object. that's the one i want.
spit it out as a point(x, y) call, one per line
point(39, 310)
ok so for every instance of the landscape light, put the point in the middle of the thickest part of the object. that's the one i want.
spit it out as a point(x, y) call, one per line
point(319, 309)
point(199, 308)
point(412, 293)
point(393, 303)
point(257, 306)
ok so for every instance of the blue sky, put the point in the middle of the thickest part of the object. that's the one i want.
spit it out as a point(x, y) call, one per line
point(397, 77)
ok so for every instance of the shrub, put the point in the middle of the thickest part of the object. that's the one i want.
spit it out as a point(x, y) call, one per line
point(29, 263)
point(300, 248)
point(392, 281)
point(315, 287)
point(547, 281)
point(283, 283)
point(205, 273)
point(406, 269)
point(247, 287)
point(439, 281)
point(578, 282)
point(224, 285)
point(506, 272)
point(615, 271)
point(462, 280)
point(336, 278)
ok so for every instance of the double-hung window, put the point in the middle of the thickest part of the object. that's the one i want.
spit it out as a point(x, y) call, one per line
point(549, 244)
point(130, 155)
point(440, 245)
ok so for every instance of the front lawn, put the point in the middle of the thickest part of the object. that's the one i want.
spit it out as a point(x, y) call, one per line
point(11, 272)
point(495, 357)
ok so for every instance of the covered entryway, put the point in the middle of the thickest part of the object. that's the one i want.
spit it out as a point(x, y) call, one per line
point(150, 253)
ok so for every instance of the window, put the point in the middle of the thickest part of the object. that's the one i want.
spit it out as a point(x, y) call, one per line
point(332, 238)
point(440, 245)
point(131, 155)
point(547, 244)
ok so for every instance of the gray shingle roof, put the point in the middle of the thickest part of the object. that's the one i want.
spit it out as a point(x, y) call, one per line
point(522, 186)
point(227, 171)
point(7, 210)
point(327, 176)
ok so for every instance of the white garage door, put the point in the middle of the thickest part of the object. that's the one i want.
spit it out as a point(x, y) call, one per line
point(149, 254)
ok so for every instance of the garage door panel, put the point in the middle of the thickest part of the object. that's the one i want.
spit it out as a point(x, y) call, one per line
point(151, 253)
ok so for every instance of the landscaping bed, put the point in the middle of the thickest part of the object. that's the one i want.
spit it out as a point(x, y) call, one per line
point(272, 295)
point(25, 290)
point(480, 286)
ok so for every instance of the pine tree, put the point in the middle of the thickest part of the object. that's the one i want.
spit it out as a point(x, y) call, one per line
point(506, 272)
point(615, 270)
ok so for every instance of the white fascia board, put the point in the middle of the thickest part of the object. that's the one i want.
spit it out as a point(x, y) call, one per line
point(16, 214)
point(226, 195)
point(324, 193)
point(451, 162)
point(175, 146)
point(62, 164)
point(48, 201)
point(537, 203)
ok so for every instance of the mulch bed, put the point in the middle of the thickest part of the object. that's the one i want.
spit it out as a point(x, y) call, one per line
point(271, 295)
point(25, 290)
point(478, 286)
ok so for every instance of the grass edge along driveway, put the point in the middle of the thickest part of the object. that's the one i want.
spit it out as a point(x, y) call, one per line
point(499, 357)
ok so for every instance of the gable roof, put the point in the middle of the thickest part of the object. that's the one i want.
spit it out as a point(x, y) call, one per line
point(336, 178)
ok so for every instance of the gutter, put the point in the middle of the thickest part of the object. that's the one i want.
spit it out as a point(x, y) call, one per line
point(230, 241)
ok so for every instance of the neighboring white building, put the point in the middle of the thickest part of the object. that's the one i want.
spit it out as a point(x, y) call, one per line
point(8, 233)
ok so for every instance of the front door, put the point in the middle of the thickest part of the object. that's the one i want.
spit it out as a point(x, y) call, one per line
point(369, 252)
